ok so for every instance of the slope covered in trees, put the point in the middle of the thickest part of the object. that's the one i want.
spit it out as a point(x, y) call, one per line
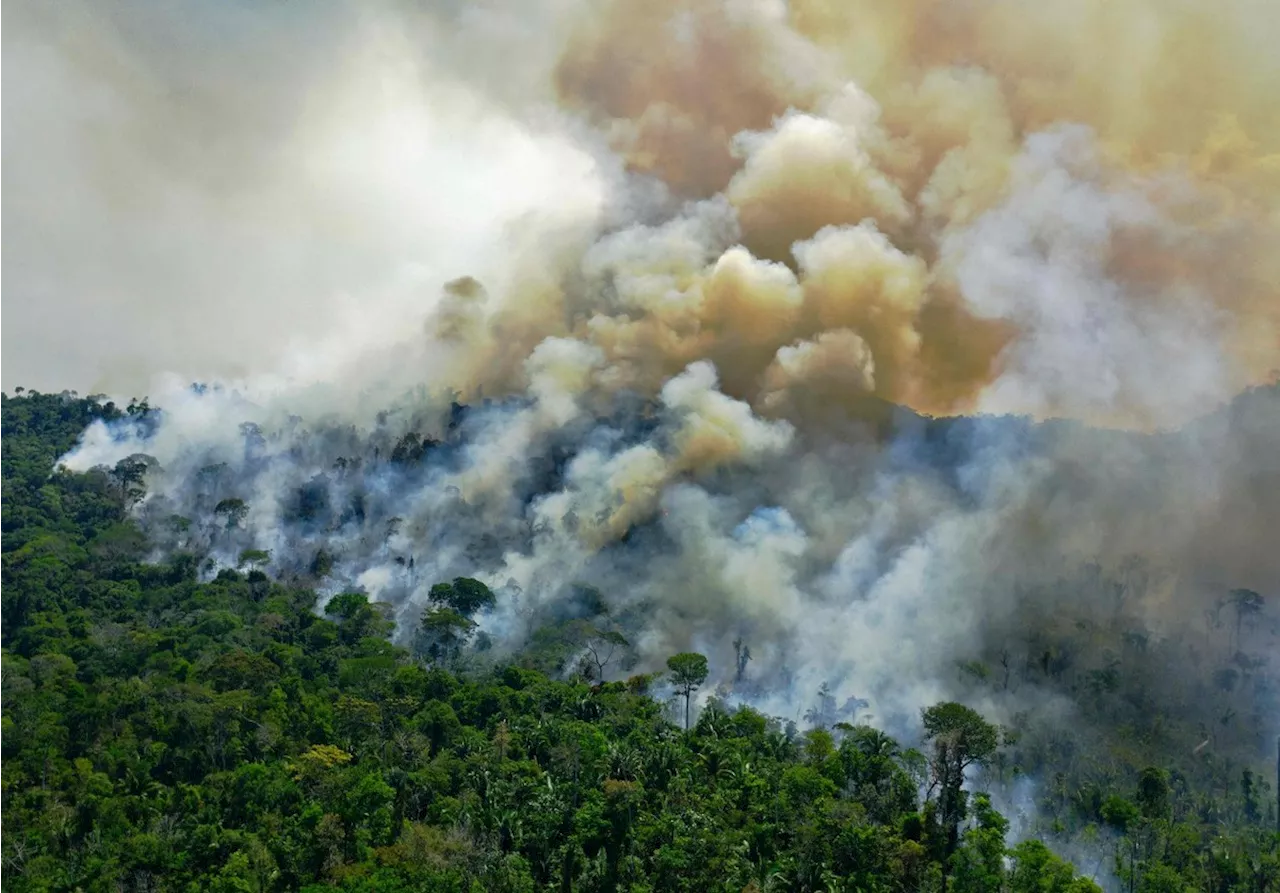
point(163, 733)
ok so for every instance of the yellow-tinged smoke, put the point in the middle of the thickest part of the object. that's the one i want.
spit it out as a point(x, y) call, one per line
point(1059, 208)
point(953, 206)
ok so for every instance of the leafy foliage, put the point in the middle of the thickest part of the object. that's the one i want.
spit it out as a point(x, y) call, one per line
point(162, 733)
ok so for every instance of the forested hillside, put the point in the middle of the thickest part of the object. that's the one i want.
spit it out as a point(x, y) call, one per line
point(641, 445)
point(161, 733)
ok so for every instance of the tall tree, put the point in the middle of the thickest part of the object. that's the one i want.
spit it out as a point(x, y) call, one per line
point(129, 475)
point(464, 595)
point(961, 738)
point(688, 672)
point(443, 634)
point(233, 509)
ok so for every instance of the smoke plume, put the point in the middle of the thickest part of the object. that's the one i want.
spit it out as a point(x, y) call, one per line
point(660, 298)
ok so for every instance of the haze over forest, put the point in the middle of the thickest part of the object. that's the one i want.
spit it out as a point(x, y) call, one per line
point(886, 355)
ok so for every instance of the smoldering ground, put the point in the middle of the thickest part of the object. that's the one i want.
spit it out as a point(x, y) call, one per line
point(697, 270)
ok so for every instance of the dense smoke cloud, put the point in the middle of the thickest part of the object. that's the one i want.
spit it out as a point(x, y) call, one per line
point(247, 190)
point(693, 269)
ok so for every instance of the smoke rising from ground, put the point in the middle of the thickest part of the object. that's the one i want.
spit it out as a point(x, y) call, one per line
point(691, 266)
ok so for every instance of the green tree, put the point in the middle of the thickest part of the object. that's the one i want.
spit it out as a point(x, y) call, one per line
point(464, 595)
point(233, 511)
point(961, 738)
point(128, 475)
point(443, 634)
point(1154, 794)
point(254, 558)
point(358, 618)
point(688, 672)
point(1037, 870)
point(978, 864)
